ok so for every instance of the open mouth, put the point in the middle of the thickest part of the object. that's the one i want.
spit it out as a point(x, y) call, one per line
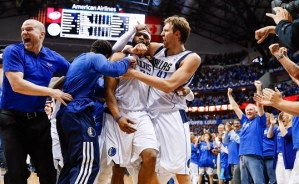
point(27, 40)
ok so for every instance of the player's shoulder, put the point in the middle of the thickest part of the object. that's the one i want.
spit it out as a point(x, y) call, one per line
point(193, 56)
point(117, 56)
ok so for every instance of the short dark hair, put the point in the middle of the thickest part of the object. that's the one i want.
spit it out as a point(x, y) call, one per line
point(102, 47)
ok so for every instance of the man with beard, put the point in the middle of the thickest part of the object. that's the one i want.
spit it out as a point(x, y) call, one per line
point(133, 140)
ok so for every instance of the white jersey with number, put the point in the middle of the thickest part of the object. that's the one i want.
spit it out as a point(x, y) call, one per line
point(164, 67)
point(132, 94)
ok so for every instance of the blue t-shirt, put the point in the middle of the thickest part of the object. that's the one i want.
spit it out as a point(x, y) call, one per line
point(251, 135)
point(233, 149)
point(295, 127)
point(205, 156)
point(37, 69)
point(268, 143)
point(83, 75)
point(224, 158)
point(194, 154)
point(278, 141)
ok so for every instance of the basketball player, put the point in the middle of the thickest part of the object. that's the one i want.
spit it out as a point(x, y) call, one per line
point(75, 123)
point(128, 130)
point(174, 66)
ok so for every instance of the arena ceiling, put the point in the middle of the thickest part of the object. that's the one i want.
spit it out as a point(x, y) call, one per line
point(221, 21)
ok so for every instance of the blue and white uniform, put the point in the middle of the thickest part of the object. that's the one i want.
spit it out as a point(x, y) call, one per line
point(167, 111)
point(131, 96)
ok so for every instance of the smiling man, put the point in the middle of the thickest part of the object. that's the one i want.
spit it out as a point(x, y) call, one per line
point(28, 68)
point(251, 138)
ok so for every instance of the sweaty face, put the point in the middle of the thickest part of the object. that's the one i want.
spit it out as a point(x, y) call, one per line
point(31, 36)
point(140, 38)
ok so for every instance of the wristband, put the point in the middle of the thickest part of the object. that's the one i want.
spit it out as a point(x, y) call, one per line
point(118, 118)
point(280, 56)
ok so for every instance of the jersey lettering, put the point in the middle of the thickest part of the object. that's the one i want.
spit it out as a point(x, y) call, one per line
point(162, 65)
point(145, 66)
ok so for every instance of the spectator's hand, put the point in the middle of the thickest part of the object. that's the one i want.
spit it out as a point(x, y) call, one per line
point(280, 14)
point(272, 119)
point(125, 124)
point(229, 91)
point(61, 96)
point(258, 85)
point(280, 117)
point(215, 151)
point(213, 136)
point(261, 99)
point(182, 91)
point(274, 97)
point(263, 33)
point(274, 49)
point(228, 127)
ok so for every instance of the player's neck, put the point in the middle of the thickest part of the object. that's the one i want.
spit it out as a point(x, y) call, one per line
point(175, 50)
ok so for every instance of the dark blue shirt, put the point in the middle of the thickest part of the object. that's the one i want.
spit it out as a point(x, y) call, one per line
point(37, 69)
point(82, 77)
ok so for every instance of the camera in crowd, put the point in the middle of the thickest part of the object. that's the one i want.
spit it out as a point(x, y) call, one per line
point(291, 6)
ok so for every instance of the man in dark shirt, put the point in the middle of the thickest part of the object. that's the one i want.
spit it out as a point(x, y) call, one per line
point(286, 29)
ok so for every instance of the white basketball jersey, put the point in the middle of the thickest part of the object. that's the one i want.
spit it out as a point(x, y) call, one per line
point(164, 67)
point(132, 94)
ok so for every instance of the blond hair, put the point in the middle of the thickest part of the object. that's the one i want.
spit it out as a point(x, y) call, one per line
point(179, 24)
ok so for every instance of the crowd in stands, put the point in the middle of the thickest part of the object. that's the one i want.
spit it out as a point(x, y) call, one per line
point(224, 59)
point(208, 78)
point(287, 88)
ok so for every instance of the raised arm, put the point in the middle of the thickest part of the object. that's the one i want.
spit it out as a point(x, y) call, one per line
point(281, 55)
point(270, 133)
point(263, 33)
point(260, 108)
point(282, 128)
point(234, 104)
point(274, 99)
point(123, 40)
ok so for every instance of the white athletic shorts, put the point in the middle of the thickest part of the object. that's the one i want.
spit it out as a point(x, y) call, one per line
point(122, 148)
point(209, 170)
point(173, 134)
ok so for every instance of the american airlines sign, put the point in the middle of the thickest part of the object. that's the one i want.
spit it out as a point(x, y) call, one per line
point(94, 8)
